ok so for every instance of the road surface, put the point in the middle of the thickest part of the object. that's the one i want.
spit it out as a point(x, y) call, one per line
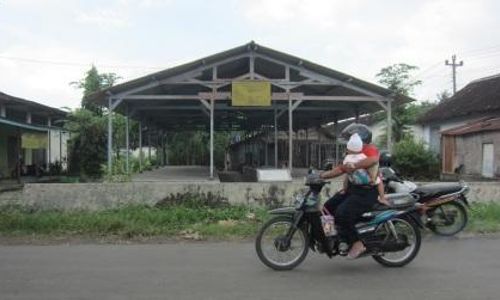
point(445, 269)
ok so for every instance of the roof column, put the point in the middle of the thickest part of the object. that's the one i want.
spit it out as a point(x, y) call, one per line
point(110, 135)
point(275, 138)
point(212, 102)
point(266, 159)
point(337, 132)
point(149, 144)
point(290, 137)
point(140, 146)
point(49, 124)
point(3, 111)
point(127, 141)
point(389, 126)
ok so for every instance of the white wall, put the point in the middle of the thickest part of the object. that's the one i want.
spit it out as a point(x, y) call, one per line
point(378, 130)
point(59, 147)
point(432, 131)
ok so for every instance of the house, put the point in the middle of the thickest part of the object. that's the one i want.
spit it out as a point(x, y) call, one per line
point(465, 130)
point(31, 137)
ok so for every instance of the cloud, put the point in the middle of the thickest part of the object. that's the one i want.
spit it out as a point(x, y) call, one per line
point(322, 14)
point(361, 37)
point(48, 81)
point(104, 18)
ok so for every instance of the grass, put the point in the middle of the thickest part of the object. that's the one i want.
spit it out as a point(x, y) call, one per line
point(186, 221)
point(133, 221)
point(484, 217)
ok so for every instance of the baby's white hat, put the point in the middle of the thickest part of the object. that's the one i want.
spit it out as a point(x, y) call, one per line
point(355, 143)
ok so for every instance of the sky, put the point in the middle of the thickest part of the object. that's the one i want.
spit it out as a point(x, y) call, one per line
point(46, 44)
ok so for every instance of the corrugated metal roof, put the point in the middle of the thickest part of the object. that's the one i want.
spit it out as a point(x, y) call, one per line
point(486, 124)
point(479, 96)
point(252, 46)
point(32, 105)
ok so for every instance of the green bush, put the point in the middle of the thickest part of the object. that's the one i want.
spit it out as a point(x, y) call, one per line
point(413, 160)
point(87, 146)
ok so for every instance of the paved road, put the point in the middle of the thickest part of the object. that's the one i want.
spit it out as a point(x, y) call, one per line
point(446, 269)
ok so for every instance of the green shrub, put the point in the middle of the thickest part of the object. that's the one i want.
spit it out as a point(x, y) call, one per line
point(413, 160)
point(87, 146)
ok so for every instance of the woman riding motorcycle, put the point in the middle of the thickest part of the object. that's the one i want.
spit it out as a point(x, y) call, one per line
point(350, 204)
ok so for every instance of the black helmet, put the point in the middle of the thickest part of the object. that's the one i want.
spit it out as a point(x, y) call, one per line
point(385, 159)
point(362, 130)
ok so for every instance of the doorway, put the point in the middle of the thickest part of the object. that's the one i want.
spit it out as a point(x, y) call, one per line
point(487, 170)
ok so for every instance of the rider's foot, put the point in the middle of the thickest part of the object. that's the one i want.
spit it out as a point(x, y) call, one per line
point(356, 250)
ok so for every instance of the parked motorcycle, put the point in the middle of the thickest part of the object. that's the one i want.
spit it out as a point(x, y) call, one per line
point(391, 234)
point(444, 204)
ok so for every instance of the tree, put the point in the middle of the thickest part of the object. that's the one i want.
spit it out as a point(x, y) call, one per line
point(444, 95)
point(87, 146)
point(398, 78)
point(94, 82)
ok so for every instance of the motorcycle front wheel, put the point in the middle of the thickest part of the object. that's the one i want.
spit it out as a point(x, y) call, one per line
point(447, 219)
point(395, 230)
point(275, 250)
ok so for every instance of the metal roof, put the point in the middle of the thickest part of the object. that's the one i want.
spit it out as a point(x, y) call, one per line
point(32, 106)
point(170, 99)
point(482, 125)
point(481, 96)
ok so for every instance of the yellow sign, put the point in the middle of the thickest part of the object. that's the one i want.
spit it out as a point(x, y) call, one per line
point(251, 93)
point(34, 140)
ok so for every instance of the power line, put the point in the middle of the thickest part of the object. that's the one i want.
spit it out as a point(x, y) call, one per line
point(74, 64)
point(480, 50)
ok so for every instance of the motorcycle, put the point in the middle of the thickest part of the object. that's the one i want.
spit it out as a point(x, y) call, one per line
point(443, 204)
point(391, 235)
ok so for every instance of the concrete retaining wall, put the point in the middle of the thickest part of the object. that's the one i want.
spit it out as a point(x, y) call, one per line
point(96, 196)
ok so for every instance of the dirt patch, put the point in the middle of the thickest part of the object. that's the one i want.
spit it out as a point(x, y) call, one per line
point(196, 198)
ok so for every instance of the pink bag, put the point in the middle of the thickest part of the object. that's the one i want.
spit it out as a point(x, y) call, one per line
point(328, 222)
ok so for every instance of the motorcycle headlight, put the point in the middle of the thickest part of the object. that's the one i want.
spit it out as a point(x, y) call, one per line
point(465, 187)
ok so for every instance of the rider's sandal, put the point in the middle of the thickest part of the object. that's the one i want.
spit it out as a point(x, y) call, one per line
point(356, 254)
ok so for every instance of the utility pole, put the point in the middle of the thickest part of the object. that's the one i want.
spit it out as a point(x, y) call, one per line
point(454, 66)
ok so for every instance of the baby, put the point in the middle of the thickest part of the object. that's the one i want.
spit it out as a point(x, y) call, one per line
point(368, 176)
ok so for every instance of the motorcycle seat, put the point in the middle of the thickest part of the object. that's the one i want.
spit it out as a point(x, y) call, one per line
point(433, 190)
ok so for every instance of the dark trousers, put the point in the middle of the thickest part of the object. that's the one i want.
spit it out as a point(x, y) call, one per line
point(348, 209)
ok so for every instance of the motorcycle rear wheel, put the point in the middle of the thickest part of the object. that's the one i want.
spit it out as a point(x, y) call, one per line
point(412, 232)
point(271, 246)
point(456, 211)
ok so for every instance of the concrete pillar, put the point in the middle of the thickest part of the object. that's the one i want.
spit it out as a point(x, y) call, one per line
point(110, 136)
